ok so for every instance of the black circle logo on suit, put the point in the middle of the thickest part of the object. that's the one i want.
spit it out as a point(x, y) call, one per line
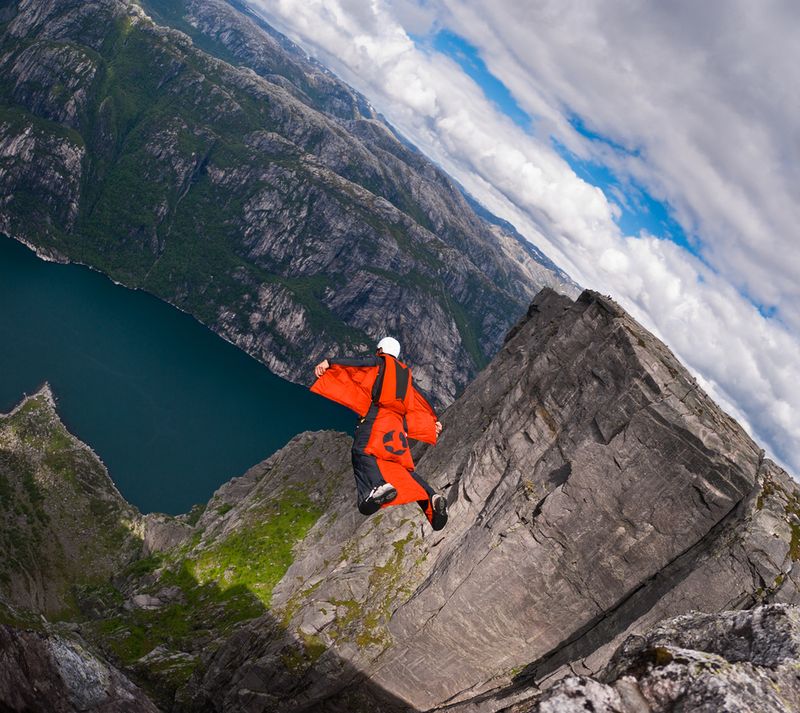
point(398, 445)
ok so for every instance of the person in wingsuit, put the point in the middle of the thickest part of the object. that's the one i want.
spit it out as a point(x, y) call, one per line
point(381, 391)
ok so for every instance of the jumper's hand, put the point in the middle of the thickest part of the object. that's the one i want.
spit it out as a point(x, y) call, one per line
point(438, 427)
point(321, 368)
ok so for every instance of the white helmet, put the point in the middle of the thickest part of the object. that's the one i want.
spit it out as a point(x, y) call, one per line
point(389, 345)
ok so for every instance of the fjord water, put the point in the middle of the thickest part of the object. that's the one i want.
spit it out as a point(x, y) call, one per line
point(171, 408)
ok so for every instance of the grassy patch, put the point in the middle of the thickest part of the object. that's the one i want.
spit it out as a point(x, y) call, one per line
point(296, 601)
point(195, 514)
point(768, 489)
point(794, 544)
point(200, 612)
point(366, 623)
point(302, 655)
point(144, 566)
point(259, 555)
point(792, 509)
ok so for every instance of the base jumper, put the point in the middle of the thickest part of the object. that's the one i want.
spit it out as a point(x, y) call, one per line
point(380, 390)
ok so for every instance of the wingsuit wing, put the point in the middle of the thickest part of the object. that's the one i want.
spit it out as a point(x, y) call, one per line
point(350, 386)
point(421, 418)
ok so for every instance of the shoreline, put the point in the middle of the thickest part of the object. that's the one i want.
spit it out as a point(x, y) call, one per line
point(61, 259)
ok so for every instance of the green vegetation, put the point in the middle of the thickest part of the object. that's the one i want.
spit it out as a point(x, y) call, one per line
point(198, 611)
point(794, 544)
point(259, 555)
point(144, 566)
point(224, 509)
point(296, 601)
point(299, 657)
point(19, 618)
point(194, 594)
point(171, 164)
point(468, 329)
point(171, 13)
point(62, 526)
point(768, 489)
point(210, 590)
point(366, 624)
point(195, 514)
point(385, 581)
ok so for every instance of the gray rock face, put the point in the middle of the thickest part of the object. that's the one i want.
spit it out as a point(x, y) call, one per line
point(594, 490)
point(248, 186)
point(162, 532)
point(41, 672)
point(44, 164)
point(739, 662)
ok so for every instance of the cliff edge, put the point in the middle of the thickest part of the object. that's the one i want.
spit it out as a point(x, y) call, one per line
point(594, 491)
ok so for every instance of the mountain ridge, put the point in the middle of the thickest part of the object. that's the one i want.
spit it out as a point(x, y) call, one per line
point(275, 208)
point(594, 490)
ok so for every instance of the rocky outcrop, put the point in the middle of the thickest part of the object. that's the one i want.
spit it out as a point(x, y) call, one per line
point(63, 523)
point(594, 491)
point(738, 662)
point(48, 672)
point(41, 163)
point(230, 175)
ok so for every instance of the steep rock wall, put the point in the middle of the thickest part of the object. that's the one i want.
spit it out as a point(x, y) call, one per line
point(593, 488)
point(228, 174)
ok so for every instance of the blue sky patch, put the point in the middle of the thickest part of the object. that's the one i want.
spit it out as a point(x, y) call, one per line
point(639, 209)
point(768, 312)
point(467, 56)
point(579, 125)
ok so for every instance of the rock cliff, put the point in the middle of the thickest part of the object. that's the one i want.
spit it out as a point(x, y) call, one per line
point(48, 672)
point(201, 156)
point(63, 524)
point(738, 662)
point(594, 491)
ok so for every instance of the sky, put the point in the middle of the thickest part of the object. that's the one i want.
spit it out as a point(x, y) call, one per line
point(652, 150)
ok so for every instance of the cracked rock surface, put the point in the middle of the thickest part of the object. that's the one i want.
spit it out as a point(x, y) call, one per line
point(50, 673)
point(594, 489)
point(735, 661)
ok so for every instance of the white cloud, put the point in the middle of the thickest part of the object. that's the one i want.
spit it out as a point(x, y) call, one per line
point(701, 94)
point(704, 91)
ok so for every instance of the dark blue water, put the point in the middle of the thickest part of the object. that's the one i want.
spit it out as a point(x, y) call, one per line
point(172, 409)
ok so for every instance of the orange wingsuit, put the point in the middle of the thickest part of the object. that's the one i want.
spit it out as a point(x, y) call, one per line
point(392, 410)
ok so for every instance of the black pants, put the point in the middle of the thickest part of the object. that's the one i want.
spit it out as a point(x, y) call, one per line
point(368, 476)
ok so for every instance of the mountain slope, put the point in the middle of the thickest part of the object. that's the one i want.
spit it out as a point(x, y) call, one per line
point(48, 482)
point(266, 199)
point(594, 490)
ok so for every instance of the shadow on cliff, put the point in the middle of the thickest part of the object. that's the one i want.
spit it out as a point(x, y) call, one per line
point(199, 646)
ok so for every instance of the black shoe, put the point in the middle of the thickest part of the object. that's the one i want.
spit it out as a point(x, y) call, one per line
point(382, 494)
point(439, 506)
